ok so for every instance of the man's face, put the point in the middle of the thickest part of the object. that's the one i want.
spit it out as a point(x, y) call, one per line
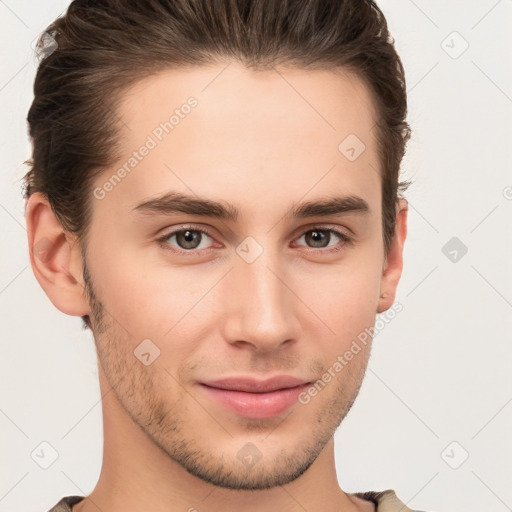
point(288, 300)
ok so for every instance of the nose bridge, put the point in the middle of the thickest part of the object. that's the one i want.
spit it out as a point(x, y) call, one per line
point(261, 305)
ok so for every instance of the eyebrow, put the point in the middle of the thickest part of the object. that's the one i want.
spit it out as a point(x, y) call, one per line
point(173, 202)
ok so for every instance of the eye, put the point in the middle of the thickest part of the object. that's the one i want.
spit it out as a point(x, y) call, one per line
point(320, 238)
point(190, 239)
point(186, 238)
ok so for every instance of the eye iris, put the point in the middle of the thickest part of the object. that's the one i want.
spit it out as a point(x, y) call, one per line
point(317, 236)
point(188, 239)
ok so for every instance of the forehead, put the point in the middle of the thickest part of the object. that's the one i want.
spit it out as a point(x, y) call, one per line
point(225, 129)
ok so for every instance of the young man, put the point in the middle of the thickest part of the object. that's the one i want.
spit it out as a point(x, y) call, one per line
point(215, 190)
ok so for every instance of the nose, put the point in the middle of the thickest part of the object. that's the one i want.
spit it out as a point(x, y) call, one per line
point(260, 308)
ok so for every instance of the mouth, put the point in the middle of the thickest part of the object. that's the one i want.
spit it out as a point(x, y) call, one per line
point(258, 399)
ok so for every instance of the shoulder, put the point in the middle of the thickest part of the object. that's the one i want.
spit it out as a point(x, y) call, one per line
point(385, 501)
point(65, 504)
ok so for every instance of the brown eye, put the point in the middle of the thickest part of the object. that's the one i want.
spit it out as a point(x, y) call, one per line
point(320, 238)
point(186, 240)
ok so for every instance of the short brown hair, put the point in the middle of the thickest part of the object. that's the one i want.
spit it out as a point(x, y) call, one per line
point(102, 47)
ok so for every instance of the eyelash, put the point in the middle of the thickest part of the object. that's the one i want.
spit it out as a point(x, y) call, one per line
point(163, 240)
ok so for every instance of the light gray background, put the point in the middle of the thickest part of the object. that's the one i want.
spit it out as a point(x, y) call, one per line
point(439, 373)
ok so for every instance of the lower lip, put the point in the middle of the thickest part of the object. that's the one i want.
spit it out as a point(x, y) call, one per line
point(256, 405)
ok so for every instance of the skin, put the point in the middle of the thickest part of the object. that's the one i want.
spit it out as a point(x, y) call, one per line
point(254, 142)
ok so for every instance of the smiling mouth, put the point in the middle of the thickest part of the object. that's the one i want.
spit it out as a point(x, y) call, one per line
point(256, 399)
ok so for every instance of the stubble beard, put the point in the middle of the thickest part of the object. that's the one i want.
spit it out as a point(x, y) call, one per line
point(135, 387)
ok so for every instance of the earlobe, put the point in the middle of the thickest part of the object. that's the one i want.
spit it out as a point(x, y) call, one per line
point(55, 257)
point(394, 260)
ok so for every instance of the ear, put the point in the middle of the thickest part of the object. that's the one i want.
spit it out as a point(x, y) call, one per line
point(55, 257)
point(393, 263)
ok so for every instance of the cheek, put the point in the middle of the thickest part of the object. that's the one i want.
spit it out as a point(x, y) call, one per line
point(346, 297)
point(151, 299)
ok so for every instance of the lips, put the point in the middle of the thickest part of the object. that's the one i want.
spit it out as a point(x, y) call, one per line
point(254, 398)
point(251, 385)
